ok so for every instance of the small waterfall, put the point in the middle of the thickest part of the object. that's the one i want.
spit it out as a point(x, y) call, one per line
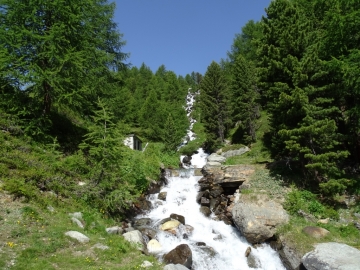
point(225, 248)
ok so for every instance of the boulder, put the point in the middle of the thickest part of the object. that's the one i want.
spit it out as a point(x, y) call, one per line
point(78, 236)
point(332, 256)
point(143, 204)
point(142, 222)
point(187, 160)
point(180, 255)
point(136, 238)
point(257, 218)
point(212, 164)
point(114, 230)
point(316, 232)
point(205, 211)
point(170, 225)
point(153, 246)
point(237, 152)
point(216, 158)
point(162, 196)
point(179, 218)
point(205, 201)
point(149, 232)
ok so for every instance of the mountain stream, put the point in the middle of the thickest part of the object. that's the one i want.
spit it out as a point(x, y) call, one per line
point(225, 247)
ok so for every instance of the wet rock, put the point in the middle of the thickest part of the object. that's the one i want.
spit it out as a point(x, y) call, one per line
point(332, 256)
point(204, 186)
point(170, 225)
point(179, 218)
point(253, 262)
point(205, 201)
point(149, 232)
point(153, 246)
point(214, 202)
point(188, 229)
point(154, 187)
point(205, 211)
point(142, 222)
point(162, 196)
point(209, 251)
point(187, 160)
point(180, 255)
point(247, 252)
point(199, 244)
point(164, 221)
point(316, 232)
point(143, 204)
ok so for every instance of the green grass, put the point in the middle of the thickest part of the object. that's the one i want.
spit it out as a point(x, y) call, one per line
point(35, 238)
point(258, 153)
point(293, 235)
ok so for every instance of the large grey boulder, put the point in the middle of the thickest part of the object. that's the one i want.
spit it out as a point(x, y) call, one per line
point(256, 216)
point(229, 176)
point(135, 237)
point(236, 152)
point(329, 256)
point(216, 158)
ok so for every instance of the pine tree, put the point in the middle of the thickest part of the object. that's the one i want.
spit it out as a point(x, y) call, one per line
point(215, 105)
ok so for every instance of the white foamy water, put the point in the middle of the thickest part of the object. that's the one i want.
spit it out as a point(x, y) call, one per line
point(225, 240)
point(225, 247)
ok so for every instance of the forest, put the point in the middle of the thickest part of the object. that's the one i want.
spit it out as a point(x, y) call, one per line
point(68, 100)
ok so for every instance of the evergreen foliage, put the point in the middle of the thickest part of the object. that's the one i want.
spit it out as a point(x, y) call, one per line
point(215, 105)
point(244, 99)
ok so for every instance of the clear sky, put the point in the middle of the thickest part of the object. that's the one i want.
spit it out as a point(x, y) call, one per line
point(184, 35)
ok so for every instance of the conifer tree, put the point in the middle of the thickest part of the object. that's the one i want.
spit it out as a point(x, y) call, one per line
point(215, 105)
point(61, 52)
point(244, 98)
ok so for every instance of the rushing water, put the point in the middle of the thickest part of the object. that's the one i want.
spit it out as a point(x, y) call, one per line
point(225, 240)
point(225, 247)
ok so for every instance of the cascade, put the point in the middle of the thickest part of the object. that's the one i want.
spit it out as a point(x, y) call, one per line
point(225, 248)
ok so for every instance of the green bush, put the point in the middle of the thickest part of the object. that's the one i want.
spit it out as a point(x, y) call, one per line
point(304, 200)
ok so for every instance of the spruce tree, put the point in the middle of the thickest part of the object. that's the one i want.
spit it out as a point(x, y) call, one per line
point(215, 105)
point(244, 98)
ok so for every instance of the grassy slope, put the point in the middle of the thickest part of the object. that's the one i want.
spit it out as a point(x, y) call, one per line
point(279, 185)
point(32, 237)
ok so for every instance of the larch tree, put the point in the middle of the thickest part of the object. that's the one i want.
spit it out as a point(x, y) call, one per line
point(61, 53)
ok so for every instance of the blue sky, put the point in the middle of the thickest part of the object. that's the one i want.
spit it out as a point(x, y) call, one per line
point(184, 35)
